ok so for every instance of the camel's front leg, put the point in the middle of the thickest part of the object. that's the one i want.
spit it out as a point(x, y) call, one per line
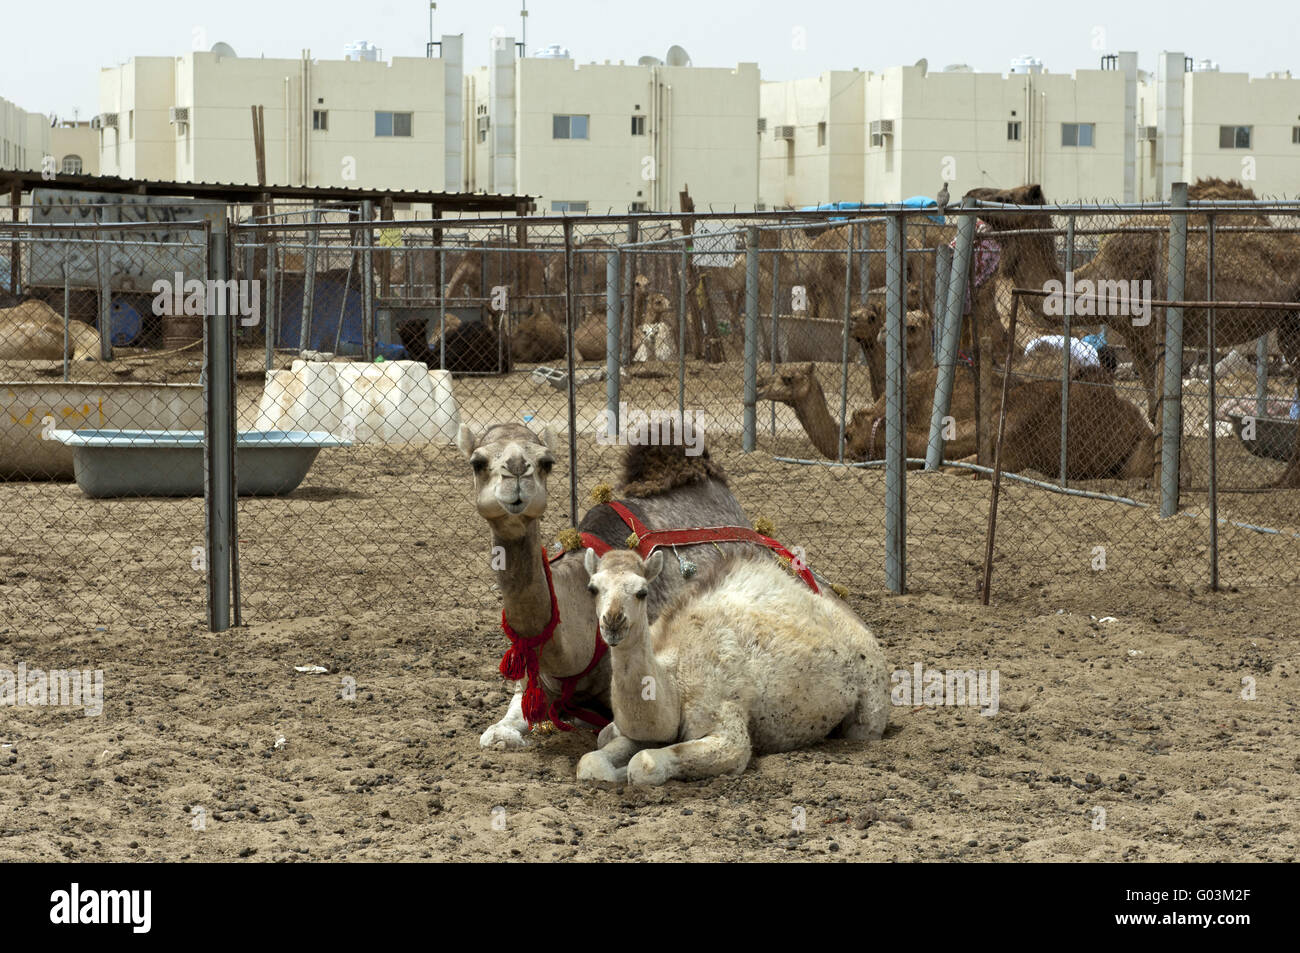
point(609, 763)
point(726, 751)
point(511, 731)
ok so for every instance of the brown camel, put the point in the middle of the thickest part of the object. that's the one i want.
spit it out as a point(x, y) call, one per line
point(33, 331)
point(663, 486)
point(869, 331)
point(1256, 265)
point(589, 337)
point(537, 337)
point(1110, 437)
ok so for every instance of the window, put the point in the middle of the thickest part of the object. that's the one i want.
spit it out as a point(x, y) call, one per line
point(1013, 131)
point(482, 124)
point(320, 120)
point(1295, 135)
point(569, 127)
point(1234, 137)
point(821, 134)
point(71, 165)
point(130, 123)
point(638, 125)
point(392, 124)
point(568, 207)
point(1077, 133)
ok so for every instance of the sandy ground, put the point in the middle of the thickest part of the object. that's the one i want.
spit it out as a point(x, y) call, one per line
point(1121, 688)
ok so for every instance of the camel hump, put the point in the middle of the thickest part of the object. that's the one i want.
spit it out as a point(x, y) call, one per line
point(655, 469)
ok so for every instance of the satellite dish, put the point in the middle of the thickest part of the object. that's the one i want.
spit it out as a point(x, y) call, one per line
point(223, 49)
point(649, 61)
point(923, 65)
point(677, 56)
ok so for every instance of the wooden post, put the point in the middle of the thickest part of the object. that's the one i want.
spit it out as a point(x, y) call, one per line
point(15, 199)
point(987, 581)
point(701, 326)
point(386, 256)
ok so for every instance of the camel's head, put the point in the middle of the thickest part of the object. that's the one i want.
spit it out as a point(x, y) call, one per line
point(1020, 195)
point(791, 384)
point(868, 322)
point(620, 581)
point(511, 465)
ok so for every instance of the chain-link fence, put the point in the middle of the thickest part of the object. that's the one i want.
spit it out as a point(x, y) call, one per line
point(859, 377)
point(101, 353)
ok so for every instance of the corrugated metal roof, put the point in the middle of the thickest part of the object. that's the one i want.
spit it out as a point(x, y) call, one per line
point(244, 193)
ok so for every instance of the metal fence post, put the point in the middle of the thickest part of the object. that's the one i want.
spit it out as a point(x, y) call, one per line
point(751, 337)
point(844, 340)
point(1171, 400)
point(682, 293)
point(312, 237)
point(942, 269)
point(776, 308)
point(219, 445)
point(946, 357)
point(573, 398)
point(367, 284)
point(1066, 345)
point(613, 381)
point(895, 410)
point(1261, 376)
point(1212, 401)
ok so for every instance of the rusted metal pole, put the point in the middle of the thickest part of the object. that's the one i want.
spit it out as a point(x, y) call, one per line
point(573, 398)
point(997, 461)
point(1213, 400)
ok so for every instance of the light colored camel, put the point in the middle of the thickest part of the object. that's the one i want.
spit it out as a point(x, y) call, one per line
point(661, 485)
point(751, 661)
point(33, 331)
point(869, 331)
point(1109, 437)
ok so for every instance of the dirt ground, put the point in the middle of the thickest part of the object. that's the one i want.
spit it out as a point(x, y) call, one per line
point(1121, 688)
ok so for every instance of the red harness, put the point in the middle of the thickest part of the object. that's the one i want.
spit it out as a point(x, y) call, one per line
point(522, 659)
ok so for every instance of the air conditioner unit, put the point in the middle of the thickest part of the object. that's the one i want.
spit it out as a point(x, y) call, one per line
point(108, 120)
point(1146, 133)
point(762, 126)
point(882, 127)
point(178, 115)
point(95, 123)
point(482, 123)
point(784, 132)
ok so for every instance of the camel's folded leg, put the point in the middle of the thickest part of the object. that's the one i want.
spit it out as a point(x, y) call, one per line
point(511, 731)
point(725, 751)
point(610, 762)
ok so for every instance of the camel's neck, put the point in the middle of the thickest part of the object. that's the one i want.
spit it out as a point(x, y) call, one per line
point(1030, 260)
point(526, 597)
point(644, 692)
point(818, 423)
point(875, 368)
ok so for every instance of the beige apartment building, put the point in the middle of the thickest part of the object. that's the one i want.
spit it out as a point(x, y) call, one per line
point(24, 138)
point(1113, 133)
point(362, 121)
point(602, 137)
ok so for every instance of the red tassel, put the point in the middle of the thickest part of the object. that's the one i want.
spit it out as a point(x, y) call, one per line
point(534, 705)
point(512, 664)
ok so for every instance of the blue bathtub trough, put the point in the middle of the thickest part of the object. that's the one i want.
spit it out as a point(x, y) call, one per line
point(113, 463)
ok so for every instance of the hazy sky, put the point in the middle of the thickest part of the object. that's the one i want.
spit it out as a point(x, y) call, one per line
point(62, 46)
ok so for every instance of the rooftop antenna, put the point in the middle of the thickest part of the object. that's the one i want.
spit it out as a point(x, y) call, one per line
point(523, 24)
point(428, 50)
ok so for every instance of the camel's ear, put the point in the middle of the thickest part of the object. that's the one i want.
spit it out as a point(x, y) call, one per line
point(654, 564)
point(466, 440)
point(548, 438)
point(589, 561)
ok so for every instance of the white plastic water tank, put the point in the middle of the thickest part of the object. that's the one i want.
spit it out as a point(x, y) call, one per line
point(1026, 64)
point(361, 50)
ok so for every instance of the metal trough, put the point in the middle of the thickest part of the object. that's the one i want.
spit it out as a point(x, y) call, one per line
point(110, 463)
point(1274, 437)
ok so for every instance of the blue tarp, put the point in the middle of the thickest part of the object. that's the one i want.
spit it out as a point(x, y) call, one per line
point(916, 201)
point(330, 300)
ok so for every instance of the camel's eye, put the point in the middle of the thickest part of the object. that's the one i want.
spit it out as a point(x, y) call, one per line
point(642, 592)
point(478, 463)
point(591, 587)
point(545, 464)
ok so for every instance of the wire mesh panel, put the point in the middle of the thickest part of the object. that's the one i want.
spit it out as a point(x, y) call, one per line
point(101, 428)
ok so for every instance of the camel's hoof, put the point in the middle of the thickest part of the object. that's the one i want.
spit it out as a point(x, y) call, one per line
point(646, 769)
point(594, 766)
point(502, 738)
point(607, 734)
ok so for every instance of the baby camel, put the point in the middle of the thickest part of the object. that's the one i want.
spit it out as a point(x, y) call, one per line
point(751, 661)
